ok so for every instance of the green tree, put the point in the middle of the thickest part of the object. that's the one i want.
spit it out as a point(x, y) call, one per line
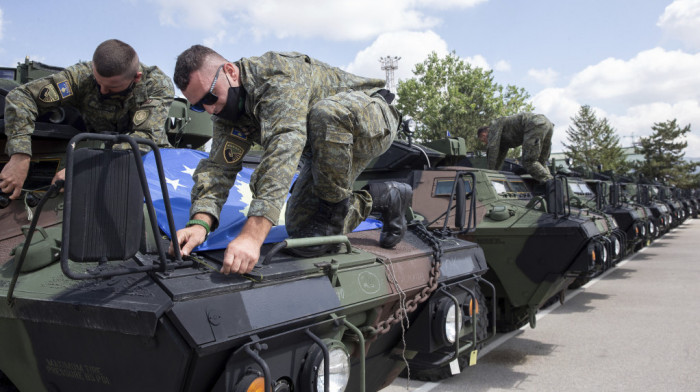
point(593, 143)
point(449, 95)
point(663, 155)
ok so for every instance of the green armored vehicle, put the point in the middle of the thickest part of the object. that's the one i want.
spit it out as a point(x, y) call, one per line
point(604, 198)
point(90, 301)
point(534, 245)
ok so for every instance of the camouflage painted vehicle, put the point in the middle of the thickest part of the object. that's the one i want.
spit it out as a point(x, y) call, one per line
point(90, 301)
point(603, 198)
point(534, 245)
point(663, 194)
point(642, 193)
point(689, 204)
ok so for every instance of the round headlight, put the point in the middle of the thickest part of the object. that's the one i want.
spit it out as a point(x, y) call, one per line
point(452, 316)
point(644, 231)
point(605, 254)
point(339, 368)
point(313, 372)
point(617, 246)
point(652, 228)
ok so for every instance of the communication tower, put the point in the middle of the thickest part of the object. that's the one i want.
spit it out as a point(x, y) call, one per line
point(389, 64)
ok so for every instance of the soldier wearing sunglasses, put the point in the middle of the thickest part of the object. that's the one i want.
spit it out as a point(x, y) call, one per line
point(113, 93)
point(307, 115)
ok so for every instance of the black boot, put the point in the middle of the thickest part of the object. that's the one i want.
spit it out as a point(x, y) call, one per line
point(328, 221)
point(390, 201)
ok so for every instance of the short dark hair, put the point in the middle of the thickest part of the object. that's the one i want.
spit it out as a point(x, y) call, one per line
point(191, 60)
point(484, 129)
point(115, 58)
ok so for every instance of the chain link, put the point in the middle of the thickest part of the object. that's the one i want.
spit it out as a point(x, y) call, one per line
point(421, 232)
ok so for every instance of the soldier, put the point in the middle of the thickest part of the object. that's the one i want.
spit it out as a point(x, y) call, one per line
point(304, 113)
point(114, 93)
point(532, 131)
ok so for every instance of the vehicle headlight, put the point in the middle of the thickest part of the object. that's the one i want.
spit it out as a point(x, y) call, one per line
point(644, 231)
point(452, 318)
point(605, 254)
point(652, 228)
point(339, 368)
point(616, 246)
point(313, 373)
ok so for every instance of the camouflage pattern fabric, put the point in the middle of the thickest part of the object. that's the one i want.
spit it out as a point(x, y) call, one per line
point(532, 131)
point(140, 113)
point(301, 111)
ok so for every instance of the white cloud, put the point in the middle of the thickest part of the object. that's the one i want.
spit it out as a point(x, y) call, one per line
point(546, 77)
point(655, 86)
point(447, 4)
point(652, 74)
point(338, 20)
point(502, 66)
point(1, 23)
point(412, 47)
point(681, 20)
point(478, 61)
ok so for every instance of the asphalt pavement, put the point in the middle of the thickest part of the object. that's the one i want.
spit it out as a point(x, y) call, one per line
point(635, 328)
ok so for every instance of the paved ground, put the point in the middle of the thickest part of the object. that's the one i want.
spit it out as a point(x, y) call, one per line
point(637, 328)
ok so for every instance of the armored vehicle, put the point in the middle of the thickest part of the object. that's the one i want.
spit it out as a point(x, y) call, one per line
point(91, 301)
point(534, 245)
point(663, 194)
point(641, 194)
point(604, 197)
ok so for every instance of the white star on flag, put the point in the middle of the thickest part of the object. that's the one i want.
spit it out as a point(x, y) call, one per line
point(188, 170)
point(174, 183)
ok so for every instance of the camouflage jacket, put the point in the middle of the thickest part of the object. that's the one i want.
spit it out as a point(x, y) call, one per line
point(140, 113)
point(510, 132)
point(280, 90)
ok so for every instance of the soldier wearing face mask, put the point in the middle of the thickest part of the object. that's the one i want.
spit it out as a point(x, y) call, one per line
point(305, 114)
point(114, 93)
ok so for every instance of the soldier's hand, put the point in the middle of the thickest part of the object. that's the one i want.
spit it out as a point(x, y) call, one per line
point(189, 238)
point(241, 255)
point(13, 175)
point(61, 175)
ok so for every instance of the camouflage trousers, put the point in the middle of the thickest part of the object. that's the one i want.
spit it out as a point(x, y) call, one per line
point(344, 133)
point(537, 145)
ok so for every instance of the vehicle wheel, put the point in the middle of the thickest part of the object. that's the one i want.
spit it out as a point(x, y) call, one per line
point(482, 332)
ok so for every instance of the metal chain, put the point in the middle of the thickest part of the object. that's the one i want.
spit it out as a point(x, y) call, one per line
point(421, 232)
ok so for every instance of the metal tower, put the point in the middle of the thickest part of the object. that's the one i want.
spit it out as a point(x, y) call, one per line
point(389, 64)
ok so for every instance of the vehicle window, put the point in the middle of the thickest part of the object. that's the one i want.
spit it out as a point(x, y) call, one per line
point(444, 187)
point(501, 186)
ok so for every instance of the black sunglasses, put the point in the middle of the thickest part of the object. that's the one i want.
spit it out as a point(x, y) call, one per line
point(209, 98)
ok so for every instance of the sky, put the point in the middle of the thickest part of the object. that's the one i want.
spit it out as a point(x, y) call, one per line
point(634, 62)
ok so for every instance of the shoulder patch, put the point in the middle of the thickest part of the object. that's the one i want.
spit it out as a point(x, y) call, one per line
point(48, 94)
point(140, 116)
point(232, 152)
point(238, 134)
point(65, 89)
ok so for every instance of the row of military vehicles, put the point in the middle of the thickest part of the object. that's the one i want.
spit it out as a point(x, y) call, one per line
point(90, 299)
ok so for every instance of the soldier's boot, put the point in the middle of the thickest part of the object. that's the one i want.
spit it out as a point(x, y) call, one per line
point(390, 201)
point(329, 220)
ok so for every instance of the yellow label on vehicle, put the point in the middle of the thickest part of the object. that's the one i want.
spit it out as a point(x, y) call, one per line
point(472, 357)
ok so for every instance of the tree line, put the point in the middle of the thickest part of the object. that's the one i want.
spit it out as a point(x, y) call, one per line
point(448, 96)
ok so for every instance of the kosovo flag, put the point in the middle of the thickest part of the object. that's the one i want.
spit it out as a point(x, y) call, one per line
point(178, 167)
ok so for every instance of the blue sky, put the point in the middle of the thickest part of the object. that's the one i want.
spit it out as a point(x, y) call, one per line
point(634, 62)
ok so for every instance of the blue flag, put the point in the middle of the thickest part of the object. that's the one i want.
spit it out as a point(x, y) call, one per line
point(178, 167)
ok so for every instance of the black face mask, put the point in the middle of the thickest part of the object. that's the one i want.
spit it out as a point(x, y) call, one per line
point(120, 95)
point(235, 103)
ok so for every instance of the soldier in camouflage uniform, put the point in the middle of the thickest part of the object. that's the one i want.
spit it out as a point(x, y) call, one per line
point(532, 131)
point(304, 113)
point(114, 93)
